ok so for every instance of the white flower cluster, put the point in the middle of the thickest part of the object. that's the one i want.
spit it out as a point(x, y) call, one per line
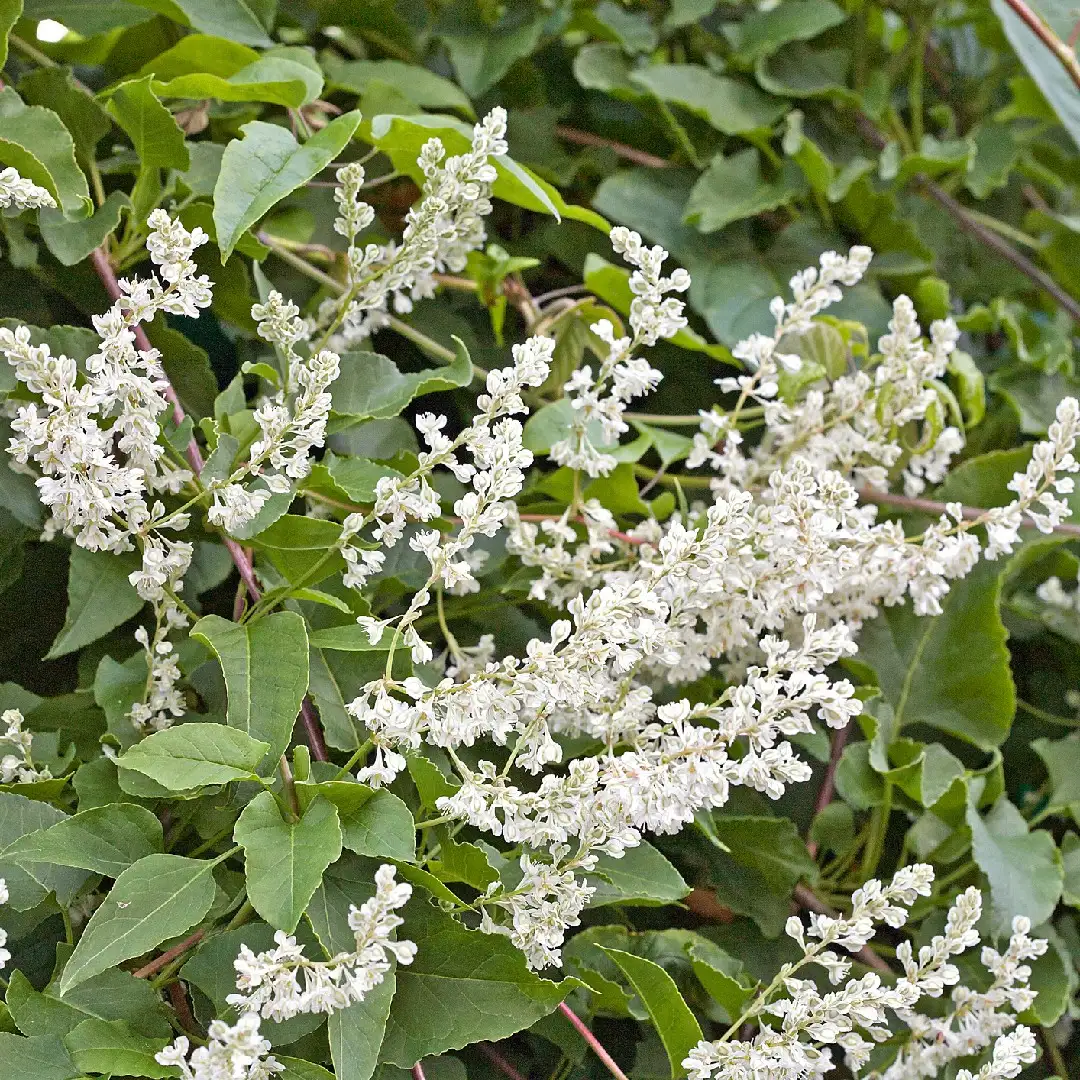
point(238, 1052)
point(282, 982)
point(22, 194)
point(810, 1022)
point(653, 315)
point(440, 231)
point(94, 436)
point(18, 767)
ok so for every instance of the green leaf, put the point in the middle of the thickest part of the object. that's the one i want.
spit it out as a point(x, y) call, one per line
point(298, 547)
point(733, 188)
point(112, 995)
point(640, 875)
point(154, 133)
point(381, 827)
point(1062, 760)
point(265, 664)
point(401, 137)
point(41, 1057)
point(729, 105)
point(72, 241)
point(371, 386)
point(722, 986)
point(285, 860)
point(1070, 859)
point(87, 122)
point(348, 638)
point(258, 171)
point(950, 671)
point(671, 1016)
point(232, 19)
point(357, 476)
point(28, 886)
point(105, 839)
point(299, 1069)
point(34, 140)
point(10, 10)
point(1049, 75)
point(275, 78)
point(110, 1047)
point(423, 88)
point(463, 986)
point(761, 33)
point(1024, 868)
point(194, 755)
point(159, 897)
point(100, 598)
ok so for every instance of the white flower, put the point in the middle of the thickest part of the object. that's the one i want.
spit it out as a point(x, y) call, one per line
point(238, 1052)
point(22, 194)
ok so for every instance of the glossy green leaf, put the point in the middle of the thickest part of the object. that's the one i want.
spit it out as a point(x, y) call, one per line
point(671, 1016)
point(34, 140)
point(381, 827)
point(462, 987)
point(105, 839)
point(640, 875)
point(189, 756)
point(29, 885)
point(258, 171)
point(159, 897)
point(86, 121)
point(100, 598)
point(423, 88)
point(10, 10)
point(265, 664)
point(285, 860)
point(232, 19)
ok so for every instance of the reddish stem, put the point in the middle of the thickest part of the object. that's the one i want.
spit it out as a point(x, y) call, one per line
point(630, 153)
point(807, 898)
point(418, 1072)
point(179, 1001)
point(168, 956)
point(591, 1039)
point(104, 270)
point(828, 785)
point(1063, 52)
point(499, 1061)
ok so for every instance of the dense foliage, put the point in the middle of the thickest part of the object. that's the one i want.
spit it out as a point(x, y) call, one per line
point(382, 682)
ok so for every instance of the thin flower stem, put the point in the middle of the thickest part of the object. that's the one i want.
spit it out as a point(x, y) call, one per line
point(1042, 714)
point(593, 1041)
point(807, 898)
point(930, 506)
point(360, 752)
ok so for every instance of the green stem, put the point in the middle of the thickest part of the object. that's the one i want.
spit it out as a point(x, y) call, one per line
point(879, 826)
point(915, 88)
point(360, 752)
point(1042, 714)
point(32, 53)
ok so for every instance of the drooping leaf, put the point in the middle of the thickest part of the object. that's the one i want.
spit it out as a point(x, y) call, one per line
point(265, 664)
point(462, 987)
point(671, 1016)
point(1024, 868)
point(194, 755)
point(159, 897)
point(285, 860)
point(34, 140)
point(105, 839)
point(100, 598)
point(258, 171)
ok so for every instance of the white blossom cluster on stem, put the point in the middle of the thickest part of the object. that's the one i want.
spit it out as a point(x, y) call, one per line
point(5, 955)
point(856, 1016)
point(440, 230)
point(17, 765)
point(21, 194)
point(282, 982)
point(236, 1052)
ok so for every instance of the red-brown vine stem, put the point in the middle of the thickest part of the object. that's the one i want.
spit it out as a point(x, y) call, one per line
point(1063, 51)
point(594, 1043)
point(828, 784)
point(499, 1061)
point(168, 956)
point(99, 259)
point(805, 897)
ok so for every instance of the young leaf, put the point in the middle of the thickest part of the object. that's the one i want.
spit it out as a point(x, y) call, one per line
point(285, 860)
point(194, 755)
point(266, 673)
point(159, 897)
point(105, 839)
point(679, 1031)
point(258, 171)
